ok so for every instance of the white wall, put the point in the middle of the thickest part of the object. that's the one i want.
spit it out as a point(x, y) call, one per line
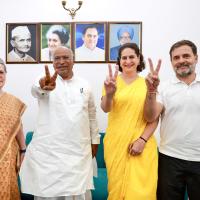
point(164, 22)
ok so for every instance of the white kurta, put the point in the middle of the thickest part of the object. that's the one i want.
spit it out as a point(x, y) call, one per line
point(58, 161)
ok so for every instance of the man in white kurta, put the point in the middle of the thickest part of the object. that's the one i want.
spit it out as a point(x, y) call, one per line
point(58, 161)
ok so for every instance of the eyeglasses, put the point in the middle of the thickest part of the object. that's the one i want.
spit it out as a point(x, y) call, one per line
point(125, 38)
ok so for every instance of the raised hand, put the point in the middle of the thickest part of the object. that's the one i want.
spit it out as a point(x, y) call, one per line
point(48, 82)
point(110, 82)
point(152, 79)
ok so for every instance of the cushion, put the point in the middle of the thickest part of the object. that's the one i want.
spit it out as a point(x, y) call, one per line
point(100, 184)
point(100, 153)
point(29, 136)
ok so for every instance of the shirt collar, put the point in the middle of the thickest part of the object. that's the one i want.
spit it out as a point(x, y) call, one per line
point(19, 58)
point(87, 49)
point(176, 80)
point(68, 80)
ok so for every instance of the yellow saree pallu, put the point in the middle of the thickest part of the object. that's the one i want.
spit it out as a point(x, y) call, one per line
point(129, 177)
point(11, 110)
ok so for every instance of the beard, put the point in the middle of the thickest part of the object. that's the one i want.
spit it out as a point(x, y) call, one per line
point(186, 72)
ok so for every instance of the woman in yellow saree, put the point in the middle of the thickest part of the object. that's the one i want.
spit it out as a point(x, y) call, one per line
point(129, 145)
point(12, 144)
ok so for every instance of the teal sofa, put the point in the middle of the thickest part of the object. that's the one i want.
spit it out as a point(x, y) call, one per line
point(24, 196)
point(101, 182)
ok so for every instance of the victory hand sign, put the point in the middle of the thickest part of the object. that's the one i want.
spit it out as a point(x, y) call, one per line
point(110, 82)
point(48, 82)
point(152, 79)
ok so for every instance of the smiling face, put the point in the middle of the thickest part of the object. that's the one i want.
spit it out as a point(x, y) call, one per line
point(63, 62)
point(2, 76)
point(129, 61)
point(90, 38)
point(183, 61)
point(53, 41)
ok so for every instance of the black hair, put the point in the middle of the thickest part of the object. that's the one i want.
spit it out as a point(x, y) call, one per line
point(60, 31)
point(64, 36)
point(87, 27)
point(182, 43)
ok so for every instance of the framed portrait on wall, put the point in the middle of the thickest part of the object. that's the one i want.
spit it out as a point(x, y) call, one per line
point(121, 33)
point(21, 43)
point(53, 35)
point(89, 41)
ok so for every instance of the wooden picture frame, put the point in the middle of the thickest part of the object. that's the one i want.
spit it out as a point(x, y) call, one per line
point(53, 35)
point(21, 43)
point(120, 33)
point(90, 42)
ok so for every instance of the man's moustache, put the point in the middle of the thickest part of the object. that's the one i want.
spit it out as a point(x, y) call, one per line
point(183, 65)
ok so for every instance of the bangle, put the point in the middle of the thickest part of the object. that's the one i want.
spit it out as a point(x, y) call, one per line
point(143, 139)
point(22, 151)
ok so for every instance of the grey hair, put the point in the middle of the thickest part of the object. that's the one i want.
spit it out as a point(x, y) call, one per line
point(60, 31)
point(63, 47)
point(2, 63)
